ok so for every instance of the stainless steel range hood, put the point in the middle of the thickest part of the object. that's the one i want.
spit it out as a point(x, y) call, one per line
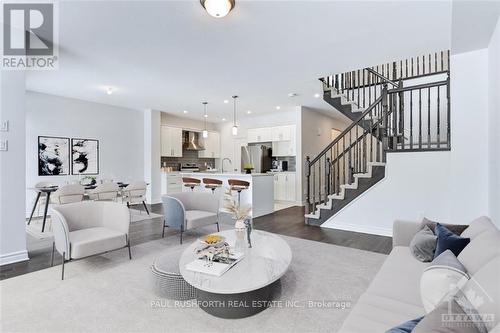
point(191, 141)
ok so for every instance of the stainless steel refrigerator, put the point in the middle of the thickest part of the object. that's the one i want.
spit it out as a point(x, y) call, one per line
point(260, 156)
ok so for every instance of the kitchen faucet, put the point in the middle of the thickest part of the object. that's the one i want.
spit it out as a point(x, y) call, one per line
point(222, 163)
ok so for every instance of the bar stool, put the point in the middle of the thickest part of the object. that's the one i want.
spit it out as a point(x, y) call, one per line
point(238, 185)
point(212, 184)
point(191, 182)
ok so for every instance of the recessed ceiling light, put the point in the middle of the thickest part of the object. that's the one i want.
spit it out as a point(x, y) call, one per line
point(109, 90)
point(249, 111)
point(317, 95)
point(226, 101)
point(205, 115)
point(278, 107)
point(223, 119)
point(185, 111)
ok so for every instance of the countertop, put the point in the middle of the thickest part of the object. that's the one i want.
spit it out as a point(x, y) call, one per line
point(225, 174)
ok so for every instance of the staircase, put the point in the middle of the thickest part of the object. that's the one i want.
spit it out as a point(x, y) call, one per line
point(402, 106)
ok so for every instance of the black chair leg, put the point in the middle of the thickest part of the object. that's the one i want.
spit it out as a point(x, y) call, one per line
point(163, 230)
point(181, 237)
point(63, 260)
point(129, 253)
point(52, 256)
point(146, 207)
point(218, 229)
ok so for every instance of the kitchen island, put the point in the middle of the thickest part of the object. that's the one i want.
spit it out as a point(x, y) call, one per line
point(260, 194)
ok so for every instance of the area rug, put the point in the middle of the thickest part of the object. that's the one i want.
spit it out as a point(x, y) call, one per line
point(111, 293)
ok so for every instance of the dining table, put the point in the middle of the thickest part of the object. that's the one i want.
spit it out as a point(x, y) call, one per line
point(48, 190)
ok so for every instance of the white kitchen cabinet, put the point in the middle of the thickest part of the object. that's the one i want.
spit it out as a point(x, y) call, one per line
point(212, 146)
point(282, 133)
point(171, 141)
point(284, 186)
point(283, 148)
point(259, 135)
point(171, 183)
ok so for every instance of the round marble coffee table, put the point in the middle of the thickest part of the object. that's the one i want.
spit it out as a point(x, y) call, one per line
point(246, 288)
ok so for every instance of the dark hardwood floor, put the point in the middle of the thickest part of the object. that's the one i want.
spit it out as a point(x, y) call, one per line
point(288, 222)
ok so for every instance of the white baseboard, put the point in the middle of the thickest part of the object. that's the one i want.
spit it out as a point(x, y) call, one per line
point(10, 258)
point(365, 229)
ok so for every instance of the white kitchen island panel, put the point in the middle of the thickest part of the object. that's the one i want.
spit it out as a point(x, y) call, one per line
point(260, 194)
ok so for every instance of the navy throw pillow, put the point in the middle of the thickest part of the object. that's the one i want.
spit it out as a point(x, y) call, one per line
point(405, 327)
point(447, 240)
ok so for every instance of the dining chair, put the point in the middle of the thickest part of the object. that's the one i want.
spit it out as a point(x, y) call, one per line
point(135, 193)
point(104, 192)
point(68, 194)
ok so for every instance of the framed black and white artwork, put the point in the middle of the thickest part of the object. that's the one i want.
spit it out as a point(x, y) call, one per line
point(53, 156)
point(85, 156)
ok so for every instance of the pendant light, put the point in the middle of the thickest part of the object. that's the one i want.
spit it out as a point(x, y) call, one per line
point(205, 116)
point(218, 8)
point(235, 127)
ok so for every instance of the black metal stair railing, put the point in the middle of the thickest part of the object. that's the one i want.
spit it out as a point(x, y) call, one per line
point(359, 144)
point(395, 119)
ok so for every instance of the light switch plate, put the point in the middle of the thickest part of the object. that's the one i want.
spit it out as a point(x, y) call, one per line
point(4, 145)
point(4, 126)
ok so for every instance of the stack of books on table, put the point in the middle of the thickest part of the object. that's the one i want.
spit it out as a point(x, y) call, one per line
point(215, 267)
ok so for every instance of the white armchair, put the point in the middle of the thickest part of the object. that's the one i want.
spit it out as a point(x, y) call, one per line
point(104, 192)
point(88, 228)
point(68, 194)
point(135, 193)
point(189, 210)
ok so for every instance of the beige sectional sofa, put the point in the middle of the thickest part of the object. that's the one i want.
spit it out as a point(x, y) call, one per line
point(393, 297)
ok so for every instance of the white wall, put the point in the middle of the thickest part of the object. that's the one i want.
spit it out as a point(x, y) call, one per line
point(316, 135)
point(185, 123)
point(415, 185)
point(494, 122)
point(152, 155)
point(12, 168)
point(469, 135)
point(120, 133)
point(447, 186)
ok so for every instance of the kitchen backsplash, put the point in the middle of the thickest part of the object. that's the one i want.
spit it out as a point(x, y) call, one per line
point(290, 160)
point(188, 156)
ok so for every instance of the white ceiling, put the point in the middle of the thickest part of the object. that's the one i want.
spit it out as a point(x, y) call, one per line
point(171, 55)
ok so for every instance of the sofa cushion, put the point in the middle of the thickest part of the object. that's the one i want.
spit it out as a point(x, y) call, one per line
point(457, 229)
point(374, 313)
point(481, 249)
point(199, 218)
point(447, 240)
point(87, 242)
point(443, 274)
point(447, 317)
point(423, 244)
point(478, 226)
point(399, 271)
point(483, 292)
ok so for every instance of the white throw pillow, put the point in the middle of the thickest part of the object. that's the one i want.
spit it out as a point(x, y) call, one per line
point(480, 250)
point(444, 276)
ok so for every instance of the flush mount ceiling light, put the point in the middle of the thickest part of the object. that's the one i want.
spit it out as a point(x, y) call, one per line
point(205, 132)
point(109, 90)
point(185, 111)
point(316, 95)
point(249, 111)
point(226, 101)
point(234, 130)
point(218, 8)
point(278, 107)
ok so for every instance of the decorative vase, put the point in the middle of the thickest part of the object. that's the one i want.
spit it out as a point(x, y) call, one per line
point(240, 230)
